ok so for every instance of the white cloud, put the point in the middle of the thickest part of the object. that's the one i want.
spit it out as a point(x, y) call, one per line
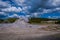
point(56, 2)
point(26, 7)
point(14, 16)
point(2, 13)
point(4, 4)
point(35, 14)
point(12, 9)
point(49, 17)
point(53, 17)
point(47, 10)
point(18, 2)
point(29, 4)
point(56, 9)
point(27, 16)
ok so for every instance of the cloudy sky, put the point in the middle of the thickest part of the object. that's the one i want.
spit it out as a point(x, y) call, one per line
point(29, 8)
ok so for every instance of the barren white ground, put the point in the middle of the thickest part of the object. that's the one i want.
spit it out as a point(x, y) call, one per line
point(23, 29)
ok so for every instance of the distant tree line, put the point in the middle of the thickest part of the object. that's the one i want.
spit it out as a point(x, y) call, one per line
point(31, 20)
point(39, 20)
point(58, 22)
point(8, 20)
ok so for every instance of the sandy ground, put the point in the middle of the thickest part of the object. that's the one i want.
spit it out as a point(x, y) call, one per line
point(16, 33)
point(13, 36)
point(21, 30)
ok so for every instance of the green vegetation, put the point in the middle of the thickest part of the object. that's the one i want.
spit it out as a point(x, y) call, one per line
point(44, 21)
point(33, 20)
point(1, 20)
point(58, 22)
point(9, 20)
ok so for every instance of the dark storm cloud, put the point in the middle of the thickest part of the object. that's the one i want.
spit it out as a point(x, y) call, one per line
point(44, 4)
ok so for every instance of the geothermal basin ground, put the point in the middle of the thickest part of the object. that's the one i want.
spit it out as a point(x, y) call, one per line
point(24, 31)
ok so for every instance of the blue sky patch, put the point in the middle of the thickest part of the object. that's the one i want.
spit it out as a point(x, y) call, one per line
point(35, 8)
